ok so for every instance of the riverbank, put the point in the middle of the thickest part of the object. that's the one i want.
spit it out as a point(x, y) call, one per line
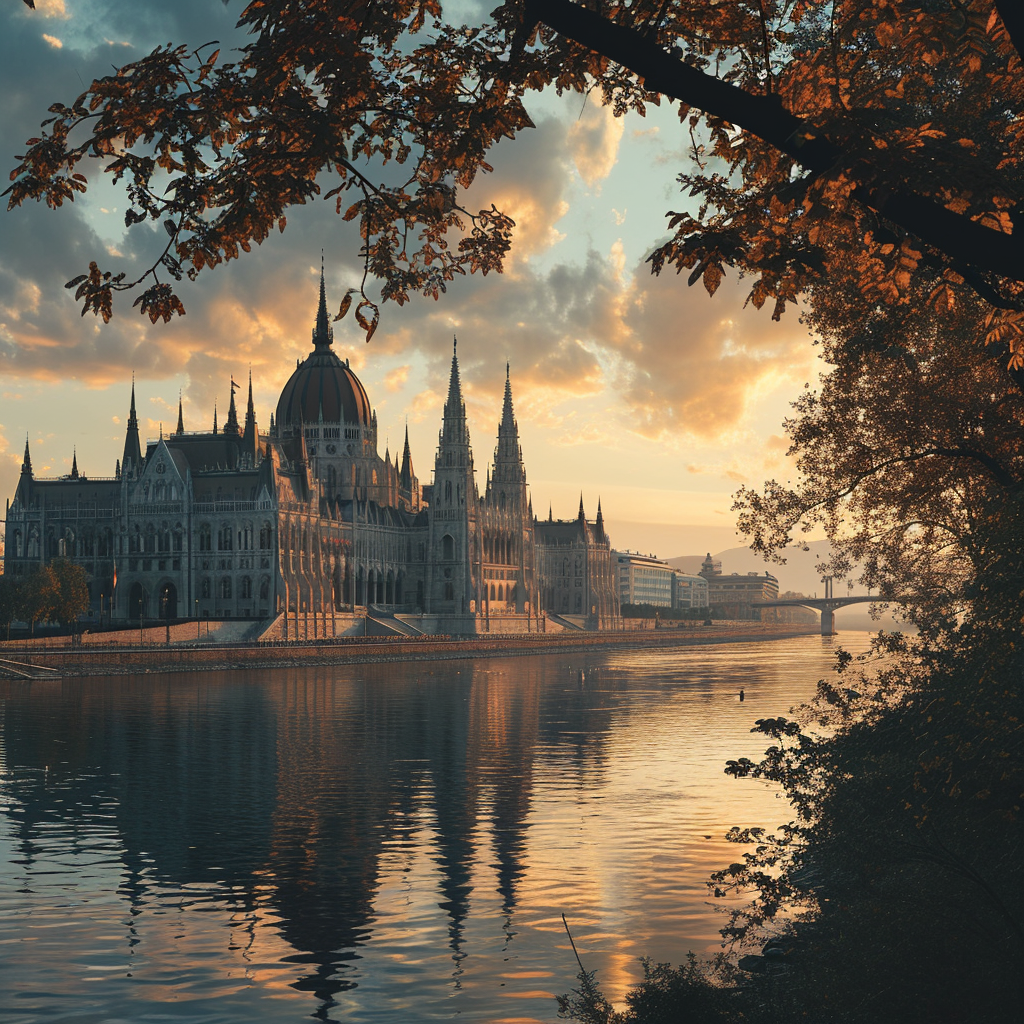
point(38, 661)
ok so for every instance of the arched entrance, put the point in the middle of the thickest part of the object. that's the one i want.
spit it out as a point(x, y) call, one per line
point(168, 601)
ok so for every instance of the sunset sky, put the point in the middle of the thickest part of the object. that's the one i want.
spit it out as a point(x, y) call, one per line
point(638, 389)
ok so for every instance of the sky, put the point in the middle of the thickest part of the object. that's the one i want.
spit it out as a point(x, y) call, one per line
point(652, 396)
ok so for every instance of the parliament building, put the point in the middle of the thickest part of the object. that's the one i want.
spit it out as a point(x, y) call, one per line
point(307, 525)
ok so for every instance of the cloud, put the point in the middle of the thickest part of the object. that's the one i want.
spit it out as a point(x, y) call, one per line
point(594, 142)
point(53, 41)
point(395, 379)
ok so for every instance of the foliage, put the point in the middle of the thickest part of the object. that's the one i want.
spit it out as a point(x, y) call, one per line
point(9, 601)
point(37, 593)
point(891, 130)
point(70, 591)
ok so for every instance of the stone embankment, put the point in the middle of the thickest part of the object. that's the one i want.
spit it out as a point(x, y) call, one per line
point(26, 660)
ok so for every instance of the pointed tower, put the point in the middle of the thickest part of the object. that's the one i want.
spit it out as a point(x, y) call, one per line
point(581, 516)
point(508, 504)
point(231, 423)
point(74, 463)
point(131, 459)
point(26, 462)
point(251, 434)
point(600, 522)
point(181, 418)
point(408, 485)
point(453, 576)
point(323, 332)
point(215, 415)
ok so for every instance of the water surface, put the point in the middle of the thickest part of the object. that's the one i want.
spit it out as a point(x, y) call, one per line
point(376, 842)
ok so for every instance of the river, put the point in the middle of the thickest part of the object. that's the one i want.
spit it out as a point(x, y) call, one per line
point(386, 843)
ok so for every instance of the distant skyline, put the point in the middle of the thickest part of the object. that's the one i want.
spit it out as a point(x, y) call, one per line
point(649, 394)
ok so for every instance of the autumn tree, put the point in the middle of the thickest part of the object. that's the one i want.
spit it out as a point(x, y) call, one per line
point(70, 591)
point(37, 593)
point(887, 129)
point(10, 601)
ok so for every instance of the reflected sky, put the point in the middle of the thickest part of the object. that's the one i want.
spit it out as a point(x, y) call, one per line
point(380, 842)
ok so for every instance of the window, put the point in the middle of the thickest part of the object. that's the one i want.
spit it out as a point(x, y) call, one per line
point(225, 587)
point(205, 537)
point(449, 591)
point(205, 588)
point(447, 547)
point(224, 538)
point(245, 590)
point(265, 535)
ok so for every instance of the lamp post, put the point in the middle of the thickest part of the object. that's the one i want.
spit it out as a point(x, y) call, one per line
point(198, 627)
point(167, 621)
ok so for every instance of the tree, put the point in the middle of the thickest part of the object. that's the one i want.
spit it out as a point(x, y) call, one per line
point(892, 130)
point(70, 591)
point(10, 601)
point(38, 592)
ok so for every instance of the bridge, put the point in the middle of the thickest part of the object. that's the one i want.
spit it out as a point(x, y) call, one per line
point(827, 605)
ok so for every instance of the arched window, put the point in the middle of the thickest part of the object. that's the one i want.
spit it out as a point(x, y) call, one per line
point(492, 591)
point(245, 589)
point(265, 588)
point(225, 587)
point(224, 538)
point(176, 537)
point(204, 589)
point(164, 541)
point(448, 491)
point(205, 537)
point(447, 547)
point(501, 592)
point(150, 540)
point(265, 534)
point(449, 591)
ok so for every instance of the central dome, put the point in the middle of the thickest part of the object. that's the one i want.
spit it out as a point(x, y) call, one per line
point(322, 386)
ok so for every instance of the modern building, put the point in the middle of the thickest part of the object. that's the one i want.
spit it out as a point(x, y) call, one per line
point(731, 596)
point(306, 520)
point(689, 591)
point(644, 579)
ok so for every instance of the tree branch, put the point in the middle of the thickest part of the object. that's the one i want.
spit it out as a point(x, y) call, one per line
point(764, 116)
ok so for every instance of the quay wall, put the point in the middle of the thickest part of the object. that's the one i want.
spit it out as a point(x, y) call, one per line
point(40, 661)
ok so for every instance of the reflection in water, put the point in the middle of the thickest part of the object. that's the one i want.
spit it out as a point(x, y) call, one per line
point(391, 842)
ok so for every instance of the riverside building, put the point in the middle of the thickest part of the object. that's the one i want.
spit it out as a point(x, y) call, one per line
point(305, 523)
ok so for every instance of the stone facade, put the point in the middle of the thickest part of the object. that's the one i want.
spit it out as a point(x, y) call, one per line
point(306, 520)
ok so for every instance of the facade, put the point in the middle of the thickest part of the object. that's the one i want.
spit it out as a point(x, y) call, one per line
point(731, 596)
point(576, 570)
point(305, 520)
point(689, 591)
point(644, 579)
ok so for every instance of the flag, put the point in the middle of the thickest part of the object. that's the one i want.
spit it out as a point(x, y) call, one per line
point(113, 586)
point(234, 387)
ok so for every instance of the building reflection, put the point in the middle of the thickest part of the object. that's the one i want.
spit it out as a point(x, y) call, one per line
point(287, 790)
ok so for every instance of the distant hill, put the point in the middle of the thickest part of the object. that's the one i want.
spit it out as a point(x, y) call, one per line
point(797, 574)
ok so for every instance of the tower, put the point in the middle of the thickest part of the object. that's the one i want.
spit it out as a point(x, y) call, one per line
point(131, 460)
point(509, 516)
point(250, 436)
point(452, 586)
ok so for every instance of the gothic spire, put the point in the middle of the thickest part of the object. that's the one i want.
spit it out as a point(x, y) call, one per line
point(181, 419)
point(26, 462)
point(323, 332)
point(455, 430)
point(600, 521)
point(581, 515)
point(131, 458)
point(406, 474)
point(74, 463)
point(215, 415)
point(231, 423)
point(250, 437)
point(508, 460)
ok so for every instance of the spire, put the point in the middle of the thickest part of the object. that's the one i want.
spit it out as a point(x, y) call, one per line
point(26, 462)
point(231, 423)
point(215, 415)
point(508, 458)
point(600, 521)
point(74, 463)
point(181, 420)
point(250, 437)
point(455, 430)
point(323, 332)
point(131, 459)
point(581, 515)
point(406, 474)
point(551, 513)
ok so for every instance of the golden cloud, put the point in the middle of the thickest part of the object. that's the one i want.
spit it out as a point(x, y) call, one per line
point(594, 142)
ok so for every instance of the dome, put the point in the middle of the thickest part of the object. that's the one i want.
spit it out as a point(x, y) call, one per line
point(323, 383)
